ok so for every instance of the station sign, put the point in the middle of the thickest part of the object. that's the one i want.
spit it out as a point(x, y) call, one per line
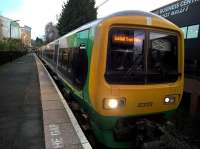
point(178, 7)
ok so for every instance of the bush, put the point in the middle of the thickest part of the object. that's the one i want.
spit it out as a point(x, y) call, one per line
point(10, 49)
point(11, 45)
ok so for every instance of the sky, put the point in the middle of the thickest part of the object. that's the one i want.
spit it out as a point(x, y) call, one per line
point(37, 13)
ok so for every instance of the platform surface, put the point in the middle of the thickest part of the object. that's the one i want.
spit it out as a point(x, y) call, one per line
point(21, 122)
point(60, 126)
point(33, 113)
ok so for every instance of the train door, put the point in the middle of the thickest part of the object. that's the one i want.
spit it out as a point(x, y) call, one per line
point(83, 44)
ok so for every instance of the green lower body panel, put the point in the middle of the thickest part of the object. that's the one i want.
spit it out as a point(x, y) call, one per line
point(106, 137)
point(103, 128)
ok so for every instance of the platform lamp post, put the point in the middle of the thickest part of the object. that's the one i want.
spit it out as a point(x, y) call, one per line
point(105, 1)
point(11, 25)
point(1, 32)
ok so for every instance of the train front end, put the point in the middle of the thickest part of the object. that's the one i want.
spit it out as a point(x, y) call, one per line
point(136, 73)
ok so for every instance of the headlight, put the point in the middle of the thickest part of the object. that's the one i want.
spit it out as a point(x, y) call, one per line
point(170, 99)
point(113, 103)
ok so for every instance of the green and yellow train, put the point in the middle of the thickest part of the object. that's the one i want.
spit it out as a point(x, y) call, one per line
point(120, 69)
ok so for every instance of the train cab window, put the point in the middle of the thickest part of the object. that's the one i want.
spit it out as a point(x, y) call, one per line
point(137, 56)
point(125, 55)
point(162, 58)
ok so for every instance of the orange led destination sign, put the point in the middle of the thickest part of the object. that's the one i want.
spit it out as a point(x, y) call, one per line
point(125, 39)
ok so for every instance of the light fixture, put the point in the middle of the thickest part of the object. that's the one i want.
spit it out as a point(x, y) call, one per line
point(113, 103)
point(170, 99)
point(167, 99)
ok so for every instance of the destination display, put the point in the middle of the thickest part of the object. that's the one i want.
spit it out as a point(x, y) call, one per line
point(124, 39)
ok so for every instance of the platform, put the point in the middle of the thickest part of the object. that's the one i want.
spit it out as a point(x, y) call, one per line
point(60, 125)
point(21, 122)
point(33, 112)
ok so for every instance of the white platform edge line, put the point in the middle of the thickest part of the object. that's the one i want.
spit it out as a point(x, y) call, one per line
point(73, 120)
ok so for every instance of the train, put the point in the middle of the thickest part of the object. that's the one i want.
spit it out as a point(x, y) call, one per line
point(123, 71)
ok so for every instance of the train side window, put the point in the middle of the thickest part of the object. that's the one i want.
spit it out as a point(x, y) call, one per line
point(60, 57)
point(64, 59)
point(55, 53)
point(69, 66)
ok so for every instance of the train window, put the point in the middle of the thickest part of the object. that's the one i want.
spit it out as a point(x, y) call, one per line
point(125, 54)
point(65, 59)
point(163, 57)
point(60, 57)
point(69, 66)
point(51, 54)
point(137, 56)
point(56, 53)
point(65, 62)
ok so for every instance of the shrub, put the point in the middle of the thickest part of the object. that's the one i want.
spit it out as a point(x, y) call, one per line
point(11, 45)
point(10, 49)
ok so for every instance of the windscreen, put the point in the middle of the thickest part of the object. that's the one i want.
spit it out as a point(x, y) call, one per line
point(141, 56)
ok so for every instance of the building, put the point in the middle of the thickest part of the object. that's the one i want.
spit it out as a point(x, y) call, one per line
point(9, 28)
point(185, 14)
point(26, 36)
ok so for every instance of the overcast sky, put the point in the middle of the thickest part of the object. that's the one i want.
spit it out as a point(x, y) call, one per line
point(37, 13)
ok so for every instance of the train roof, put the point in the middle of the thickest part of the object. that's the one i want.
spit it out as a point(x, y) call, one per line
point(121, 13)
point(130, 13)
point(134, 13)
point(84, 27)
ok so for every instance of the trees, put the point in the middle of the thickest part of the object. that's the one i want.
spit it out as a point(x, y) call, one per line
point(38, 42)
point(51, 32)
point(76, 13)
